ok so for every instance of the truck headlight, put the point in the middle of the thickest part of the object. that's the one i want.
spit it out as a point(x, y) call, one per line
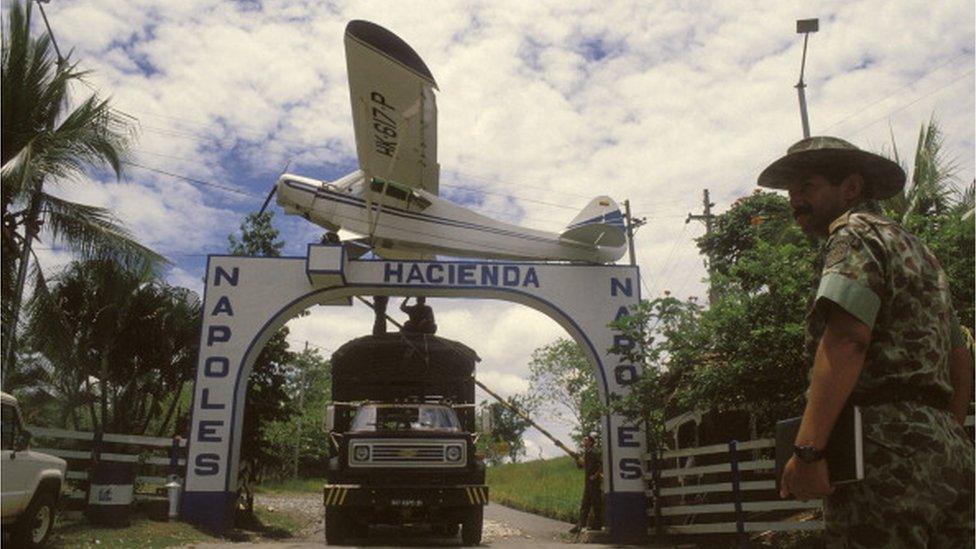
point(453, 453)
point(361, 453)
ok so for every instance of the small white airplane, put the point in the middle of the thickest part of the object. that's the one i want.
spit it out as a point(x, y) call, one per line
point(392, 200)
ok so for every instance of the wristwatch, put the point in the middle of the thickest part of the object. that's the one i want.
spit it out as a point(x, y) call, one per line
point(808, 454)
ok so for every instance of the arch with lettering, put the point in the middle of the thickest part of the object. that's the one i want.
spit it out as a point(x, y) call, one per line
point(246, 299)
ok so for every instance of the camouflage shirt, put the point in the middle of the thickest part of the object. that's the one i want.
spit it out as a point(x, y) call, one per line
point(884, 276)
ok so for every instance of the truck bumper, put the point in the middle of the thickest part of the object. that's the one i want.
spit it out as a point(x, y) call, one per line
point(405, 497)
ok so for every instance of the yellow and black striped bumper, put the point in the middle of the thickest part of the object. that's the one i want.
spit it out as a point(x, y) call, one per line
point(356, 495)
point(335, 494)
point(477, 495)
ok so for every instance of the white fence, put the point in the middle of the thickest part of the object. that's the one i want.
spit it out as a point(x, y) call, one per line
point(157, 457)
point(724, 489)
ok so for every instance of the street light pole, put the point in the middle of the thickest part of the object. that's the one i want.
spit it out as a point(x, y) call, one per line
point(805, 27)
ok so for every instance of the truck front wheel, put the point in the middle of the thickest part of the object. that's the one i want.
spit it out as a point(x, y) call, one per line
point(35, 526)
point(472, 525)
point(337, 527)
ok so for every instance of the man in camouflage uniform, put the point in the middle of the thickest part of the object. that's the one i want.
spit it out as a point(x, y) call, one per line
point(882, 333)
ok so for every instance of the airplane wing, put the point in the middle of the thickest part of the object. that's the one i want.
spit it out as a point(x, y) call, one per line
point(393, 109)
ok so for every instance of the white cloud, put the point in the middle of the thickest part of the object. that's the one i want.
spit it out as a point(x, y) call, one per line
point(503, 384)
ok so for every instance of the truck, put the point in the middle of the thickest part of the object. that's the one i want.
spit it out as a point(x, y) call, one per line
point(30, 487)
point(402, 431)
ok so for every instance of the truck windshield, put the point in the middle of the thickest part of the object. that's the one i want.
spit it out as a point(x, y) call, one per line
point(405, 418)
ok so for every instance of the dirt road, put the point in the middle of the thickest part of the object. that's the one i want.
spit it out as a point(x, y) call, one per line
point(504, 528)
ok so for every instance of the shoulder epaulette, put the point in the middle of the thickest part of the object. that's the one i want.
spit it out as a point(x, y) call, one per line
point(858, 217)
point(869, 218)
point(839, 223)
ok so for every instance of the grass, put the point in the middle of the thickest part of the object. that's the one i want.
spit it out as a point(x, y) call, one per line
point(149, 529)
point(551, 488)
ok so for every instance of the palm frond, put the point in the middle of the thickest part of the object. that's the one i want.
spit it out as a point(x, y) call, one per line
point(47, 328)
point(965, 201)
point(930, 185)
point(93, 232)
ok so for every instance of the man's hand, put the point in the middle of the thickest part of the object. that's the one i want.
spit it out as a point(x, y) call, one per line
point(805, 480)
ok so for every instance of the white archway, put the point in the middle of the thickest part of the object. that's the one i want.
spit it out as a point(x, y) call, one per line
point(246, 299)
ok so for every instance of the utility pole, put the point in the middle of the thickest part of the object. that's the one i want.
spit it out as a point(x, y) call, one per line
point(632, 226)
point(707, 217)
point(300, 377)
point(805, 27)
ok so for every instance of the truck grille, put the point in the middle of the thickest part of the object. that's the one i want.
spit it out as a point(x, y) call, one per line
point(407, 453)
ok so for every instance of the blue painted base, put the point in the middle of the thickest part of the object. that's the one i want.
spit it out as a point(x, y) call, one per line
point(211, 510)
point(626, 516)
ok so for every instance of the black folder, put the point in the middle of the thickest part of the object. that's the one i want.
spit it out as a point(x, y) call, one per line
point(845, 449)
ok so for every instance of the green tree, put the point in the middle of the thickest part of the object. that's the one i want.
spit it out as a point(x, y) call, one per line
point(299, 442)
point(117, 344)
point(44, 140)
point(563, 379)
point(505, 437)
point(268, 399)
point(664, 336)
point(745, 351)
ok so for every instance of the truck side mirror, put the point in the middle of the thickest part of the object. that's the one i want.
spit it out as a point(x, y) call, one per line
point(329, 418)
point(23, 441)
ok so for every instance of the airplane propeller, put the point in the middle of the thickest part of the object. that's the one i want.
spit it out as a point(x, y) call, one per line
point(267, 200)
point(274, 188)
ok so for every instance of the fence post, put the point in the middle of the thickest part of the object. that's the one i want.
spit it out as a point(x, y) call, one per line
point(656, 487)
point(737, 495)
point(174, 457)
point(96, 451)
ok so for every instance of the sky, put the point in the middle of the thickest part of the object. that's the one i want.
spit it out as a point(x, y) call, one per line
point(542, 105)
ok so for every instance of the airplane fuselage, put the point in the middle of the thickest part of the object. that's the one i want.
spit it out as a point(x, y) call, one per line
point(413, 224)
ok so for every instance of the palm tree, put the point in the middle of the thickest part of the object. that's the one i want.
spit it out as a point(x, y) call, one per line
point(121, 340)
point(42, 140)
point(930, 189)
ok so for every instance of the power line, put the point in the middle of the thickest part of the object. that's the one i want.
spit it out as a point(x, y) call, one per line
point(194, 181)
point(671, 253)
point(861, 110)
point(909, 104)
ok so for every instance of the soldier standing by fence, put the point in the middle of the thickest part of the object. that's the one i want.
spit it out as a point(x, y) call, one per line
point(881, 332)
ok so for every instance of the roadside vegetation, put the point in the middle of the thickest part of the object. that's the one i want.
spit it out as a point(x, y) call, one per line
point(149, 529)
point(551, 488)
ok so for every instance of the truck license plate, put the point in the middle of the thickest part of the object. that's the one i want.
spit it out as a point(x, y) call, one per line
point(406, 502)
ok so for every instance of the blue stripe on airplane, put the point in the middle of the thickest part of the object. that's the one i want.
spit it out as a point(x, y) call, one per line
point(392, 210)
point(614, 218)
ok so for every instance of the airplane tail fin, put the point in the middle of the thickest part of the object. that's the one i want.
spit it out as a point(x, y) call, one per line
point(599, 224)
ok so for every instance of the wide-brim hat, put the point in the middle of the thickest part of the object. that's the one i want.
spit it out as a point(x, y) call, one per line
point(884, 177)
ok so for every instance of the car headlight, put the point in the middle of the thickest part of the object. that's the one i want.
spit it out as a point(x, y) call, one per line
point(361, 453)
point(453, 453)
